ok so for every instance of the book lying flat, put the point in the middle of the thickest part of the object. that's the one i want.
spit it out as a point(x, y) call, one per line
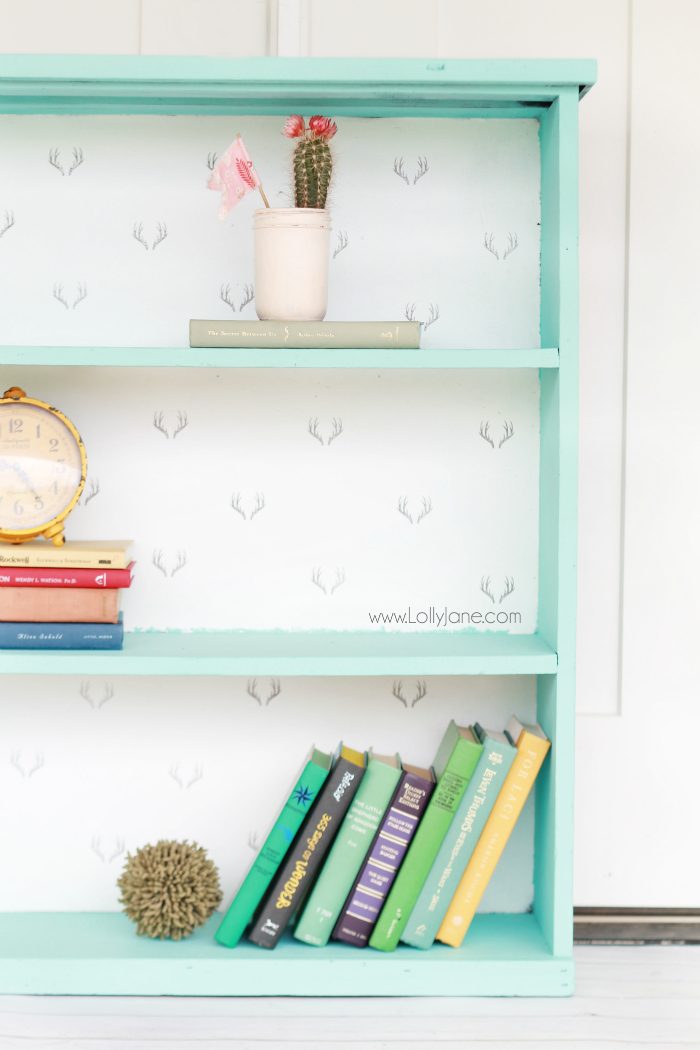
point(296, 335)
point(60, 577)
point(376, 877)
point(62, 635)
point(349, 850)
point(461, 839)
point(532, 747)
point(310, 780)
point(59, 605)
point(454, 764)
point(297, 872)
point(74, 554)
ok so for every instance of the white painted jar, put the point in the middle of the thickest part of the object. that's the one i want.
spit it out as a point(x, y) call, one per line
point(292, 249)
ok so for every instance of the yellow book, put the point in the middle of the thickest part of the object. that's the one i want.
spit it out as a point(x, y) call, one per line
point(532, 747)
point(74, 554)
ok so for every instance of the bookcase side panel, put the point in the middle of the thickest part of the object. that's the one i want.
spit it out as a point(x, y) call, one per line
point(558, 491)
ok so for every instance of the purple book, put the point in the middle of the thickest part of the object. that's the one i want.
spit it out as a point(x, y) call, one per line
point(366, 898)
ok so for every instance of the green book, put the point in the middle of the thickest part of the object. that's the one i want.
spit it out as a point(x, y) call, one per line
point(354, 839)
point(454, 764)
point(459, 843)
point(309, 782)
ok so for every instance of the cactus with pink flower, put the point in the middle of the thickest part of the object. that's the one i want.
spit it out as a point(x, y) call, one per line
point(312, 159)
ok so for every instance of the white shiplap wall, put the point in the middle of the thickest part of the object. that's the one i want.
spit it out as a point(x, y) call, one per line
point(640, 153)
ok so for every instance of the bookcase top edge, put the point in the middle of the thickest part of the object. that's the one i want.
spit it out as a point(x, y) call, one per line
point(268, 71)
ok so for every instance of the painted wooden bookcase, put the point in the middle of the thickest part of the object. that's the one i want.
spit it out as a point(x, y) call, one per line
point(504, 954)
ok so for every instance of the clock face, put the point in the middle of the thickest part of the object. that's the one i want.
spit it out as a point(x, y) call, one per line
point(40, 467)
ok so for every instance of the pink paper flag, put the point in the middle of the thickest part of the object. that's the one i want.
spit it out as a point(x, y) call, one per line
point(234, 175)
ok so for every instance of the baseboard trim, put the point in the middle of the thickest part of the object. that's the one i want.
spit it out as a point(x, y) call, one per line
point(637, 925)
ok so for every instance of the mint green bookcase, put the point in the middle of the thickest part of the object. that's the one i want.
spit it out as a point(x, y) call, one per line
point(504, 954)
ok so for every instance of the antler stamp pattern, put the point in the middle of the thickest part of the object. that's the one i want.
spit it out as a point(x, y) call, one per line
point(96, 704)
point(160, 235)
point(433, 314)
point(27, 769)
point(340, 244)
point(422, 168)
point(91, 491)
point(60, 297)
point(335, 432)
point(55, 160)
point(8, 222)
point(185, 781)
point(159, 423)
point(508, 588)
point(110, 855)
point(508, 432)
point(426, 508)
point(158, 561)
point(273, 692)
point(331, 588)
point(511, 245)
point(420, 692)
point(237, 505)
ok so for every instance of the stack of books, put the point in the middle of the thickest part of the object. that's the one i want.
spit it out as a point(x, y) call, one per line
point(63, 597)
point(369, 851)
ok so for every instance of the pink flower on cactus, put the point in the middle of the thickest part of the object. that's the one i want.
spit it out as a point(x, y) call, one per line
point(322, 127)
point(294, 126)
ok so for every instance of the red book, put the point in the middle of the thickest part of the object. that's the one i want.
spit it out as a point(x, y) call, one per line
point(26, 576)
point(58, 605)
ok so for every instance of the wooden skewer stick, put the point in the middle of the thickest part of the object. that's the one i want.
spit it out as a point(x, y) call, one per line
point(262, 194)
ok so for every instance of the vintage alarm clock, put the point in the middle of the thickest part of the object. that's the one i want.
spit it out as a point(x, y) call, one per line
point(43, 467)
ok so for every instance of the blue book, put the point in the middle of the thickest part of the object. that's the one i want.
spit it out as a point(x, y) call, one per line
point(459, 842)
point(62, 635)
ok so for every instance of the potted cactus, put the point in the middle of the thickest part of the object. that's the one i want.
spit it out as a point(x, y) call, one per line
point(292, 245)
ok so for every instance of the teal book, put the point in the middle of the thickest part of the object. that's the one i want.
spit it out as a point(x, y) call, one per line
point(461, 839)
point(352, 843)
point(454, 764)
point(311, 778)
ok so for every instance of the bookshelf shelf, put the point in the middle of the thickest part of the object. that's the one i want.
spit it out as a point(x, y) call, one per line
point(299, 653)
point(524, 954)
point(177, 357)
point(63, 953)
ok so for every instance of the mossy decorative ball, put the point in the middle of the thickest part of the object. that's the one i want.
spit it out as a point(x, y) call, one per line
point(169, 889)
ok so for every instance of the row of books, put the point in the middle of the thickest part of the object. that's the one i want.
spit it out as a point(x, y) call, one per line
point(64, 597)
point(370, 851)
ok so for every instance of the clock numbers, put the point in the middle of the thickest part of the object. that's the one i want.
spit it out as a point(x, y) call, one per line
point(53, 445)
point(16, 426)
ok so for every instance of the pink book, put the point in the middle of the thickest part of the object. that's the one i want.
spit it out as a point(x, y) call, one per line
point(58, 605)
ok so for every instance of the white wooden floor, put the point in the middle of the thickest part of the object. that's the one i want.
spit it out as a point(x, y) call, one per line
point(627, 997)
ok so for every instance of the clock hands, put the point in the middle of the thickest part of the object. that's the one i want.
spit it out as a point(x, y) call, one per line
point(22, 474)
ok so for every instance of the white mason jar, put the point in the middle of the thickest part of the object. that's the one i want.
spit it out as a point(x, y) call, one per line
point(292, 249)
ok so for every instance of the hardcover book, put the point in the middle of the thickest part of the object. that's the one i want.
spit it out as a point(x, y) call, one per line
point(62, 635)
point(58, 605)
point(461, 839)
point(295, 335)
point(74, 554)
point(349, 850)
point(108, 579)
point(455, 762)
point(296, 874)
point(377, 874)
point(532, 747)
point(311, 778)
